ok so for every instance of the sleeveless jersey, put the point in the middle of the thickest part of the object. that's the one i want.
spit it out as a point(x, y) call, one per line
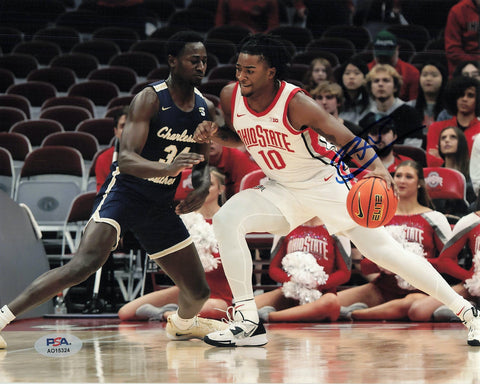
point(171, 132)
point(285, 155)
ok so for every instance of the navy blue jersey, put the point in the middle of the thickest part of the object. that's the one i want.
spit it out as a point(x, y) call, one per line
point(171, 133)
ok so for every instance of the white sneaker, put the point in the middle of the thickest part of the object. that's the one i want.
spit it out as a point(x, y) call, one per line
point(473, 326)
point(3, 343)
point(198, 330)
point(240, 333)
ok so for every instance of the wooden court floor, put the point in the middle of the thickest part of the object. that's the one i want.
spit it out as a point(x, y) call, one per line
point(118, 352)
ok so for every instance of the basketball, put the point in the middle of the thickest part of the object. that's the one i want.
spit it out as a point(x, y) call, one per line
point(370, 204)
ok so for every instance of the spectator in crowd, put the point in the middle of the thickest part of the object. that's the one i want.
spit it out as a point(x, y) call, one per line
point(105, 159)
point(330, 97)
point(234, 163)
point(319, 70)
point(310, 263)
point(475, 165)
point(160, 304)
point(258, 16)
point(463, 244)
point(384, 84)
point(351, 78)
point(382, 137)
point(453, 149)
point(461, 99)
point(461, 33)
point(430, 100)
point(469, 68)
point(386, 51)
point(417, 228)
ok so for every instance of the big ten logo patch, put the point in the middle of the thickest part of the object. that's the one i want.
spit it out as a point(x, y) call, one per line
point(58, 345)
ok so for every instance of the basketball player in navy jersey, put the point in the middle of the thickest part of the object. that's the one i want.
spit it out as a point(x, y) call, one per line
point(156, 145)
point(299, 147)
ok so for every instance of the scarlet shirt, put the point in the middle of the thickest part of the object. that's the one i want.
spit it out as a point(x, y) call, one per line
point(102, 166)
point(430, 229)
point(465, 233)
point(234, 164)
point(433, 135)
point(329, 252)
point(461, 34)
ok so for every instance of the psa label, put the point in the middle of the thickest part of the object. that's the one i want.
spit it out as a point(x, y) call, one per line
point(58, 345)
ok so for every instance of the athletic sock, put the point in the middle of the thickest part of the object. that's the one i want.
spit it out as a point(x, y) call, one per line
point(182, 323)
point(6, 316)
point(249, 310)
point(461, 308)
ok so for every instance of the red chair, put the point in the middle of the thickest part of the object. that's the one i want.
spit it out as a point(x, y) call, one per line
point(185, 186)
point(445, 183)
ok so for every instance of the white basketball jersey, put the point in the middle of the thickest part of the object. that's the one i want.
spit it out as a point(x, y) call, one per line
point(285, 155)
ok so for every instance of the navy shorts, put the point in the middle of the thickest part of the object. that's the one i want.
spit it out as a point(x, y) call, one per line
point(156, 226)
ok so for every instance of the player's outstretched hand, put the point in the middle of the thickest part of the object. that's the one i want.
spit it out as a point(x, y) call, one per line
point(183, 161)
point(205, 130)
point(385, 175)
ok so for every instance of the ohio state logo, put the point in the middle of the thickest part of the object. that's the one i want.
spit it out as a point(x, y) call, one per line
point(433, 180)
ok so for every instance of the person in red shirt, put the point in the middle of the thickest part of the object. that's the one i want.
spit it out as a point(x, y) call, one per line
point(465, 237)
point(104, 159)
point(461, 33)
point(461, 96)
point(234, 163)
point(382, 140)
point(386, 52)
point(293, 302)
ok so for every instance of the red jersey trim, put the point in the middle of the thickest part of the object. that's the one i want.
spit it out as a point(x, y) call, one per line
point(286, 123)
point(263, 113)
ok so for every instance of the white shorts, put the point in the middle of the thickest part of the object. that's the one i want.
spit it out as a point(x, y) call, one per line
point(326, 199)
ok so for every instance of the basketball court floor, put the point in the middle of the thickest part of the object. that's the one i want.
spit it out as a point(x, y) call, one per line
point(105, 350)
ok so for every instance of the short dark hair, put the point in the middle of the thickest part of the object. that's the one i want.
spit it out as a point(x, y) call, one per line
point(271, 48)
point(176, 43)
point(119, 113)
point(456, 88)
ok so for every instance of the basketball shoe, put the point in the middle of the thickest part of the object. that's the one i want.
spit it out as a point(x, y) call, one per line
point(198, 330)
point(240, 333)
point(3, 343)
point(473, 325)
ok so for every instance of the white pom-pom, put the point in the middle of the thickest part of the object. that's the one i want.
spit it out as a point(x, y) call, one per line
point(305, 276)
point(473, 284)
point(204, 239)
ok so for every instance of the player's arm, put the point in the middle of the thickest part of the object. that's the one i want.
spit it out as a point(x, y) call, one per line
point(304, 112)
point(142, 109)
point(225, 135)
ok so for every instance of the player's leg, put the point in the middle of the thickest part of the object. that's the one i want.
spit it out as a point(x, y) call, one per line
point(94, 249)
point(245, 212)
point(183, 266)
point(377, 245)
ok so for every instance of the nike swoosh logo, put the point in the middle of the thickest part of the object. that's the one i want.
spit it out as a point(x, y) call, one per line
point(240, 115)
point(360, 211)
point(459, 313)
point(327, 178)
point(166, 108)
point(238, 330)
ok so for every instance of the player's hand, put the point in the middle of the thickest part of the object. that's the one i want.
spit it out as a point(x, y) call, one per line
point(183, 161)
point(205, 130)
point(385, 175)
point(192, 202)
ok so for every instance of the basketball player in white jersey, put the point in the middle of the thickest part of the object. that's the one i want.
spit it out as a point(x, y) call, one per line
point(299, 146)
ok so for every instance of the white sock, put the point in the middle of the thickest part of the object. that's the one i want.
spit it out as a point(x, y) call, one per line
point(182, 323)
point(461, 308)
point(249, 310)
point(6, 316)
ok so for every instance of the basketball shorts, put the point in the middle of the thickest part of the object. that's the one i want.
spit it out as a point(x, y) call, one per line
point(325, 199)
point(157, 227)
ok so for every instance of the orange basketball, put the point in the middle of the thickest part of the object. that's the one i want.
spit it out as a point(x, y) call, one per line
point(370, 203)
